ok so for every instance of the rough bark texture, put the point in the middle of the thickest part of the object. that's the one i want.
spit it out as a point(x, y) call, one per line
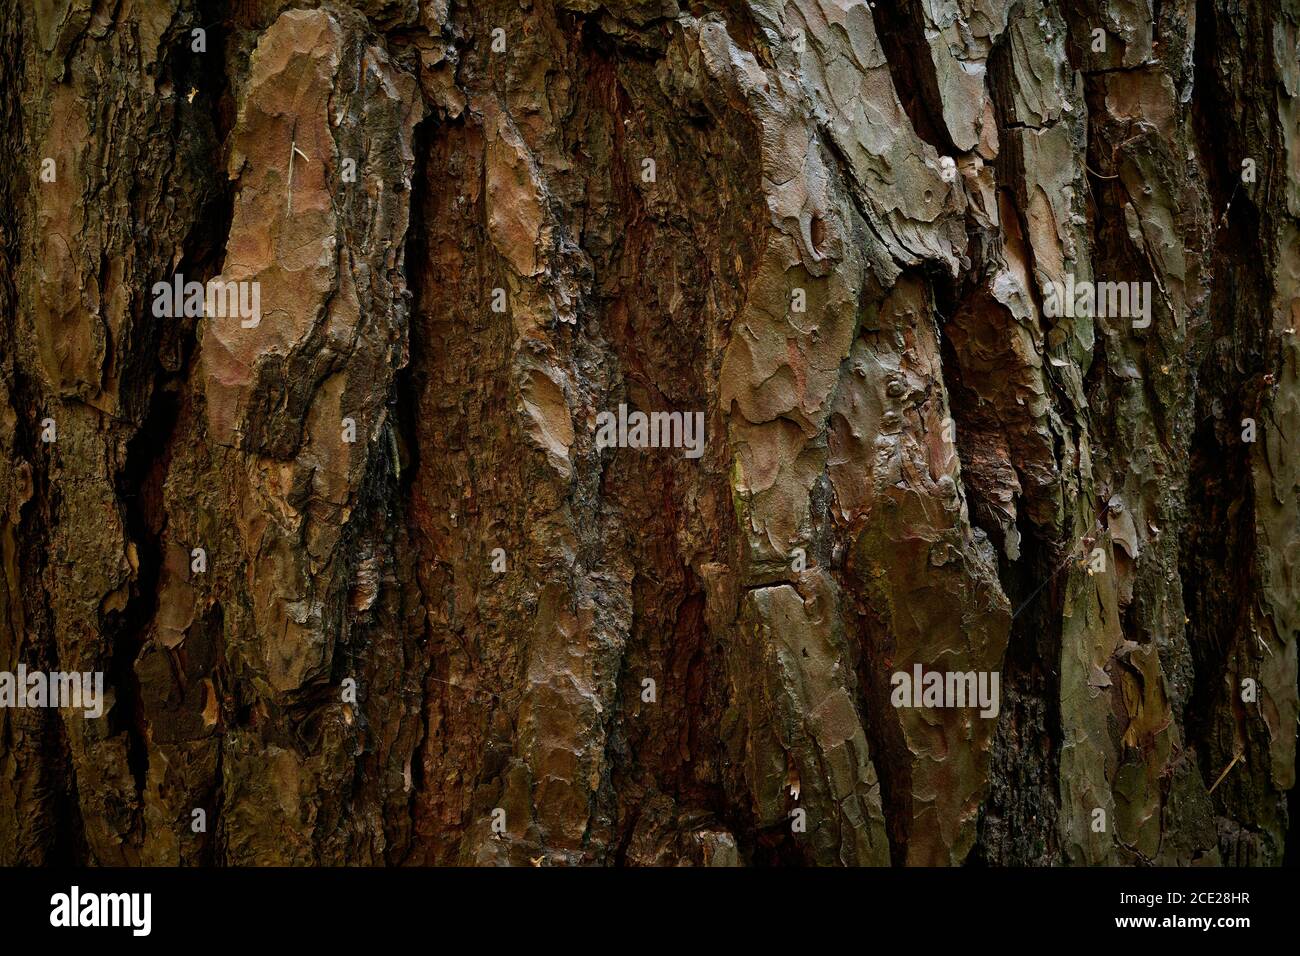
point(920, 467)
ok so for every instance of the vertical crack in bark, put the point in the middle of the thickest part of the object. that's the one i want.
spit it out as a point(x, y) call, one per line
point(406, 391)
point(1227, 630)
point(901, 29)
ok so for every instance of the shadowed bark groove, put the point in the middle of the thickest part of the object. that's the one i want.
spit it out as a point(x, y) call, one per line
point(370, 580)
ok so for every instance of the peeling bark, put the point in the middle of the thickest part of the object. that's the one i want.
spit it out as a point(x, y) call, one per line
point(368, 587)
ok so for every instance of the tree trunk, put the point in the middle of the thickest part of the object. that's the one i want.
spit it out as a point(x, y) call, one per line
point(369, 575)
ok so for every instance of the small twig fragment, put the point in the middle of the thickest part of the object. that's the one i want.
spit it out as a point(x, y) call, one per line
point(1240, 754)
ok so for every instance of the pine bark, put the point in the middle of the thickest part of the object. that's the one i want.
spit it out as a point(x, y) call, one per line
point(478, 226)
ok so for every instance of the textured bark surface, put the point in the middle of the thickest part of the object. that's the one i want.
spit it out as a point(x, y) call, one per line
point(827, 225)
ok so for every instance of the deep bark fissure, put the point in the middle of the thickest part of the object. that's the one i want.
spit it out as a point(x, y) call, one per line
point(901, 30)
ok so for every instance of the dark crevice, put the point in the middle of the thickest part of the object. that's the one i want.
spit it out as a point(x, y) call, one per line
point(1018, 818)
point(166, 355)
point(1018, 823)
point(52, 831)
point(1218, 567)
point(139, 489)
point(889, 754)
point(900, 28)
point(409, 382)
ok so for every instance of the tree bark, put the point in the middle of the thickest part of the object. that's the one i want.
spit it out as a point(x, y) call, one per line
point(475, 634)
